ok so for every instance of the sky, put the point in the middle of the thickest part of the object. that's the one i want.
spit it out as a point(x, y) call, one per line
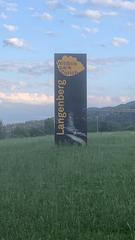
point(32, 31)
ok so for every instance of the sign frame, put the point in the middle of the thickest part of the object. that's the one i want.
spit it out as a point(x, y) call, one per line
point(70, 98)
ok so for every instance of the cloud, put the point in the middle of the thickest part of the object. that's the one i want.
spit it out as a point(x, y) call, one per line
point(79, 1)
point(33, 69)
point(10, 28)
point(90, 30)
point(7, 6)
point(46, 16)
point(91, 67)
point(43, 99)
point(3, 16)
point(15, 42)
point(93, 14)
point(94, 100)
point(102, 45)
point(118, 41)
point(99, 66)
point(43, 16)
point(54, 4)
point(123, 4)
point(36, 69)
point(130, 26)
point(102, 101)
point(128, 5)
point(71, 10)
point(24, 85)
point(11, 7)
point(84, 30)
point(4, 84)
point(12, 86)
point(110, 61)
point(51, 33)
point(125, 99)
point(112, 13)
point(31, 8)
point(26, 98)
point(42, 68)
point(76, 27)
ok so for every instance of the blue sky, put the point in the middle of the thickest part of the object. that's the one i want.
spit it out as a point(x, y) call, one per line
point(32, 31)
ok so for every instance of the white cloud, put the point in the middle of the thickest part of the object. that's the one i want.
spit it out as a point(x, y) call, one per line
point(123, 4)
point(125, 99)
point(76, 27)
point(90, 30)
point(112, 13)
point(54, 4)
point(41, 68)
point(33, 69)
point(102, 101)
point(46, 16)
point(51, 33)
point(16, 42)
point(12, 7)
point(118, 41)
point(12, 86)
point(93, 14)
point(128, 5)
point(100, 66)
point(79, 1)
point(9, 85)
point(3, 15)
point(84, 30)
point(130, 26)
point(99, 100)
point(31, 9)
point(91, 67)
point(10, 28)
point(26, 98)
point(42, 15)
point(110, 61)
point(7, 6)
point(18, 85)
point(71, 10)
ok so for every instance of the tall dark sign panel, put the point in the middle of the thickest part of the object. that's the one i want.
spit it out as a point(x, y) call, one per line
point(70, 98)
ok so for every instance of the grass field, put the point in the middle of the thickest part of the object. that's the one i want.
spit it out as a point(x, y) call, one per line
point(68, 192)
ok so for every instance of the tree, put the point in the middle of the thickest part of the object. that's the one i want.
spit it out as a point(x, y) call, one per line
point(1, 130)
point(49, 126)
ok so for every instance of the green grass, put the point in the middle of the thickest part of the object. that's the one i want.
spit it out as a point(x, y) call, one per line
point(68, 192)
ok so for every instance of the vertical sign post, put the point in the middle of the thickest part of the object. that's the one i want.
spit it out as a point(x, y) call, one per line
point(70, 98)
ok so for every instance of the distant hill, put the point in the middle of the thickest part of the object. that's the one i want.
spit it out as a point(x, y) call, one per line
point(118, 118)
point(121, 117)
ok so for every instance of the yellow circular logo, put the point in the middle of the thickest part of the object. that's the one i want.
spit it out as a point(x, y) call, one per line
point(69, 66)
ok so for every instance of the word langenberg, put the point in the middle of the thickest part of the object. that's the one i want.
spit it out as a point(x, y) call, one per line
point(61, 111)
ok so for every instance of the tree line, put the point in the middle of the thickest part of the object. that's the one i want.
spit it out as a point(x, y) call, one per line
point(46, 127)
point(27, 129)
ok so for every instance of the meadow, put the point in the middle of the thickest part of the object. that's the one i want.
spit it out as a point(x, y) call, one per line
point(50, 192)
